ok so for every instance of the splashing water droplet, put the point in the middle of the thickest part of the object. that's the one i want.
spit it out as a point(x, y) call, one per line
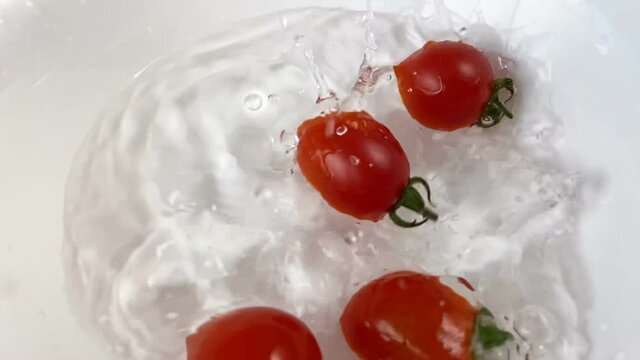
point(253, 102)
point(341, 130)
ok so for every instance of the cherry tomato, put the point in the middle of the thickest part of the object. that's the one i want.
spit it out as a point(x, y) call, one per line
point(409, 316)
point(257, 333)
point(358, 166)
point(450, 85)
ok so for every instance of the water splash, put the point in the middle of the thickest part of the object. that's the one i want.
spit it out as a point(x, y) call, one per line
point(185, 201)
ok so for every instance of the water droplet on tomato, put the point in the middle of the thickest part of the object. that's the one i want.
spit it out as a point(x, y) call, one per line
point(354, 160)
point(253, 102)
point(341, 130)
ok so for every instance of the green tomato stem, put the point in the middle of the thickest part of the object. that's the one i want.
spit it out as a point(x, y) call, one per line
point(495, 109)
point(412, 200)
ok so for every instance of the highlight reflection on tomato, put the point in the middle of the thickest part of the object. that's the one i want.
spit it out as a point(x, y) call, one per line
point(450, 85)
point(359, 167)
point(257, 333)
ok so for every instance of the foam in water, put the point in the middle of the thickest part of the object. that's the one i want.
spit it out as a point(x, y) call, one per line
point(185, 200)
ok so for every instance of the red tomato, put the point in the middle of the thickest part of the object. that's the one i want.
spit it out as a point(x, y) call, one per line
point(357, 165)
point(257, 333)
point(409, 316)
point(449, 85)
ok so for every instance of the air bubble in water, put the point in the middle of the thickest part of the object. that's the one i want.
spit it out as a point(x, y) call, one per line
point(353, 236)
point(273, 98)
point(253, 102)
point(341, 130)
point(354, 160)
point(288, 139)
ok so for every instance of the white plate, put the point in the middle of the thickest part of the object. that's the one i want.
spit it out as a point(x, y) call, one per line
point(60, 62)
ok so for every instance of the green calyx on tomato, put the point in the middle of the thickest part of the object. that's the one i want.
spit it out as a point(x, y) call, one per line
point(495, 110)
point(488, 335)
point(412, 200)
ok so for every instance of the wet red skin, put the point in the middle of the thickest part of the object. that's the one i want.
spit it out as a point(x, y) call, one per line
point(445, 85)
point(257, 333)
point(409, 316)
point(361, 172)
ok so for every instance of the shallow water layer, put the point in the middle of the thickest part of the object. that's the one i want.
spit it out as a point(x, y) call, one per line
point(185, 200)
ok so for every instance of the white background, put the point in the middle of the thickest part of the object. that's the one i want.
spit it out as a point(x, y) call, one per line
point(60, 62)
